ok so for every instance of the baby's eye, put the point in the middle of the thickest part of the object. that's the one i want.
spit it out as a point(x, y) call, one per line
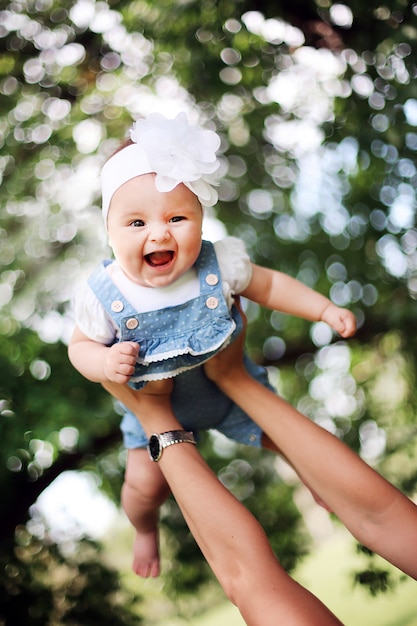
point(137, 223)
point(177, 218)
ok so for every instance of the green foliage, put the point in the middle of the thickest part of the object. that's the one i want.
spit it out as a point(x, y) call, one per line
point(318, 124)
point(51, 416)
point(46, 584)
point(374, 578)
point(251, 476)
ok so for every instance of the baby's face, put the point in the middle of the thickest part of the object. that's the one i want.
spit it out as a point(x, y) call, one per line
point(155, 236)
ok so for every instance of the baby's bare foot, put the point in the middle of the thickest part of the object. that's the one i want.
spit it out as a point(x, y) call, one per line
point(146, 554)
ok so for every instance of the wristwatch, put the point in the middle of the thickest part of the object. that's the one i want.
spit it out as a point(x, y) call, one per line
point(157, 443)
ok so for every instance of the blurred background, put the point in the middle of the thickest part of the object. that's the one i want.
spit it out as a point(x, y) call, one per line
point(316, 105)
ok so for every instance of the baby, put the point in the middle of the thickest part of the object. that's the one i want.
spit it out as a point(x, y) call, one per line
point(164, 305)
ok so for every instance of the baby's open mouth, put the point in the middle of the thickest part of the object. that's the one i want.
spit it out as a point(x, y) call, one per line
point(158, 259)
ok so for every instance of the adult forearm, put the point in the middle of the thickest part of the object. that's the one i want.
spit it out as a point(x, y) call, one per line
point(237, 548)
point(300, 439)
point(230, 538)
point(371, 508)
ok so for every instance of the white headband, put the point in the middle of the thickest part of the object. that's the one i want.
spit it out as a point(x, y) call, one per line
point(172, 149)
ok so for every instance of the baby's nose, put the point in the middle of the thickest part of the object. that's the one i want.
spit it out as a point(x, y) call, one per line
point(160, 232)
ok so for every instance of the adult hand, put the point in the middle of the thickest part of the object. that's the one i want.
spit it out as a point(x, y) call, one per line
point(231, 358)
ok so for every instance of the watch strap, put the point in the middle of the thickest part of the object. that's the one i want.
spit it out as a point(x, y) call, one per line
point(169, 438)
point(176, 436)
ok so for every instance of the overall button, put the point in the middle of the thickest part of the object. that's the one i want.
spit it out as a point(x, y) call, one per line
point(212, 279)
point(117, 306)
point(212, 302)
point(132, 323)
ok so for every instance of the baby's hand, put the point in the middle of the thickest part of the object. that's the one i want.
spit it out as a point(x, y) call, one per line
point(120, 360)
point(341, 320)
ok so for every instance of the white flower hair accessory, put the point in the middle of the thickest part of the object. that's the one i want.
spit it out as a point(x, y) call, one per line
point(172, 149)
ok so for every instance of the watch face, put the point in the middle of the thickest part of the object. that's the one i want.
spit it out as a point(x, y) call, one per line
point(154, 447)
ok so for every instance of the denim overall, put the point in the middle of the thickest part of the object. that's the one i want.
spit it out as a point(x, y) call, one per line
point(174, 342)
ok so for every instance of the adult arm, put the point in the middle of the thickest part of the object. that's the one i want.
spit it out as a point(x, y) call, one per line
point(230, 538)
point(374, 511)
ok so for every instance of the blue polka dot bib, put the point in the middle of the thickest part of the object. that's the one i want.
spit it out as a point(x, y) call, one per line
point(177, 338)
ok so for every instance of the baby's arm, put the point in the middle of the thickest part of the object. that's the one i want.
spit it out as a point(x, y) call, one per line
point(112, 367)
point(100, 363)
point(278, 291)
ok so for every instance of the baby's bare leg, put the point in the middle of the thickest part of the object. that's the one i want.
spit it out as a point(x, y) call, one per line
point(144, 490)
